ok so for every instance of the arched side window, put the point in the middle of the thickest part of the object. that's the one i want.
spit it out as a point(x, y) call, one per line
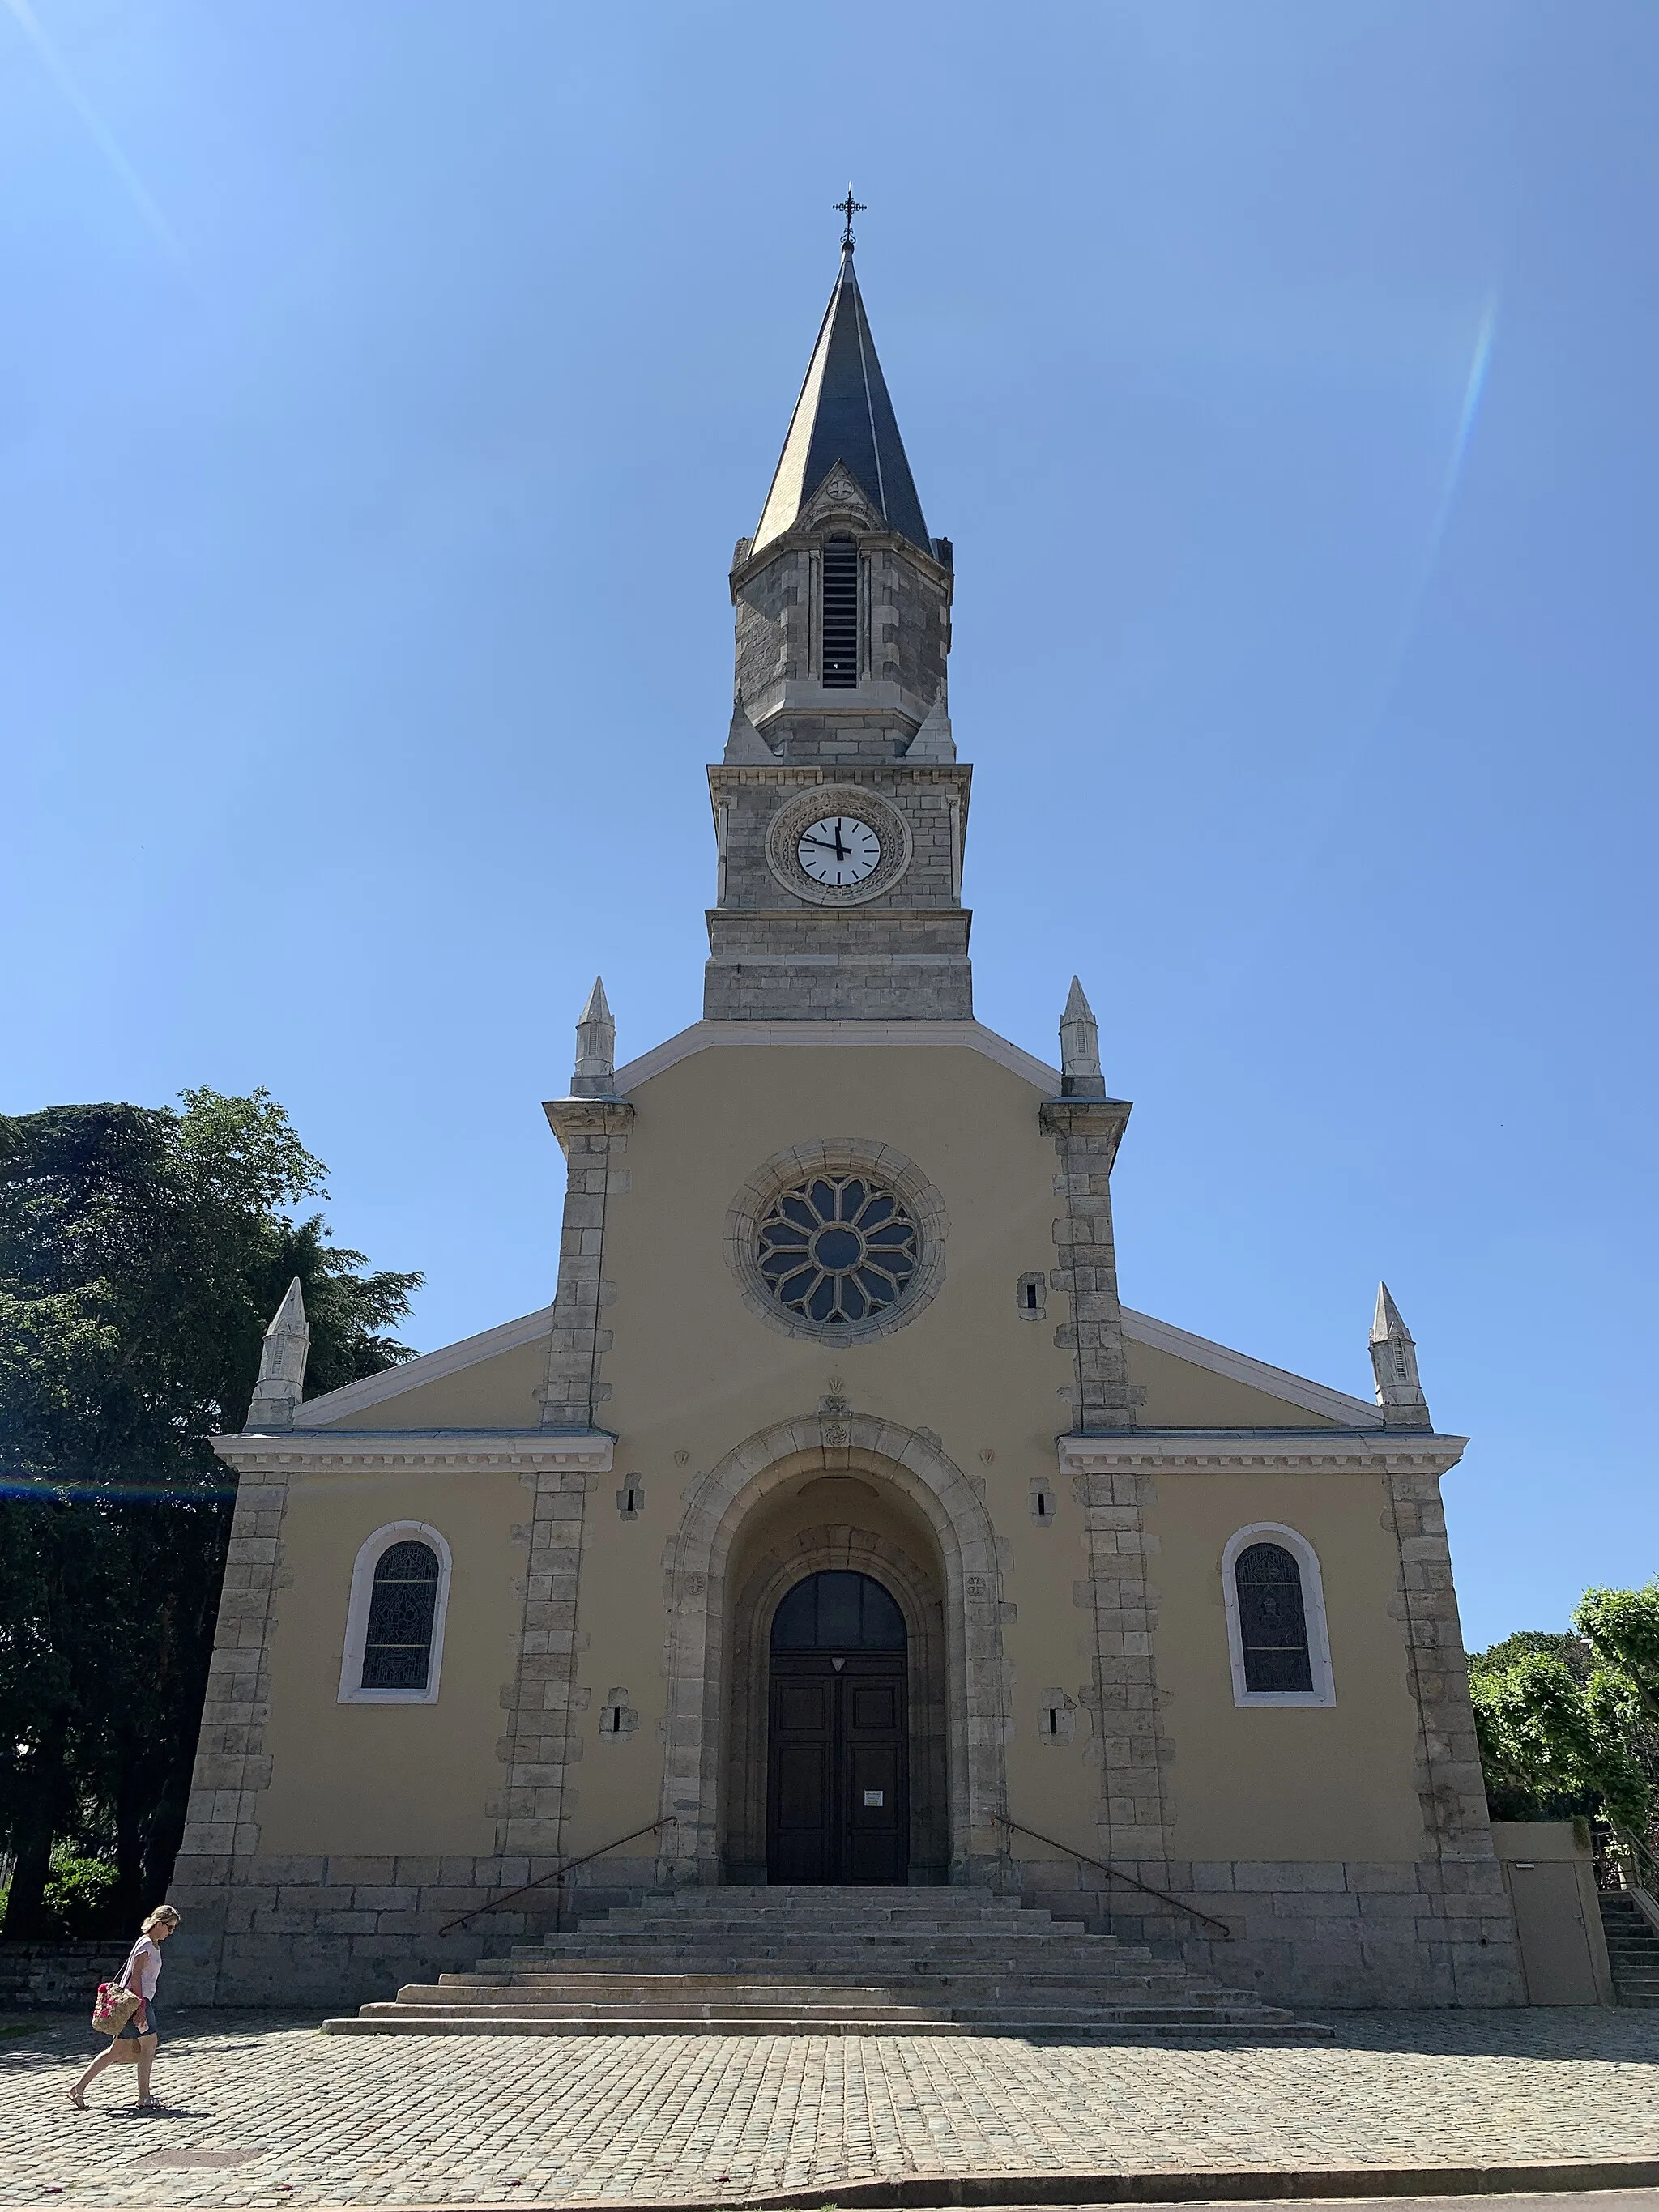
point(394, 1639)
point(1276, 1633)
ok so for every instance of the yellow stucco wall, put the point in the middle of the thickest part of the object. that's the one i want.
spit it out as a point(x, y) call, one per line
point(390, 1777)
point(693, 1373)
point(1297, 1782)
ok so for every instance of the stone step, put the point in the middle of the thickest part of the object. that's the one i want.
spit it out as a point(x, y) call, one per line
point(941, 1897)
point(1633, 1950)
point(667, 1927)
point(942, 1990)
point(804, 1962)
point(819, 1941)
point(1249, 2023)
point(887, 1956)
point(806, 2021)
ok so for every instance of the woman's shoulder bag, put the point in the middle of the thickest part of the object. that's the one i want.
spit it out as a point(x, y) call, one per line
point(115, 2004)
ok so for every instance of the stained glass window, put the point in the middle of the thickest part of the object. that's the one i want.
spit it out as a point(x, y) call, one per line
point(398, 1648)
point(1273, 1622)
point(837, 1249)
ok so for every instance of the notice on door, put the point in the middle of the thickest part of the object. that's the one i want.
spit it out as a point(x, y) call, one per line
point(875, 1797)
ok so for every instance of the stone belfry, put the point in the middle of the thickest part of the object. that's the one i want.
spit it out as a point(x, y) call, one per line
point(840, 806)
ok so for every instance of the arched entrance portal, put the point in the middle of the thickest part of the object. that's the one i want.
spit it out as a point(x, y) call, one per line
point(858, 1493)
point(837, 1792)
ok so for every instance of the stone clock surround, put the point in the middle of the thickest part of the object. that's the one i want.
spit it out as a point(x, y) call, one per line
point(796, 816)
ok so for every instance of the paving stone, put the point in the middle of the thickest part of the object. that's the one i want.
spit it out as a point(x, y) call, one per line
point(336, 2121)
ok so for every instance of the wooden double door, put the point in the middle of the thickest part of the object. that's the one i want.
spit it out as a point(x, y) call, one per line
point(837, 1760)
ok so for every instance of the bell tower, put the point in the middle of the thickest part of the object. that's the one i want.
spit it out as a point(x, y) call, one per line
point(840, 805)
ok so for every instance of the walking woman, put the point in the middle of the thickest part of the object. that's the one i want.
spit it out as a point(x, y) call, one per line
point(140, 1974)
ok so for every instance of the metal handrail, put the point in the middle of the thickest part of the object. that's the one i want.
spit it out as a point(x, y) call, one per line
point(1118, 1875)
point(1630, 1849)
point(558, 1874)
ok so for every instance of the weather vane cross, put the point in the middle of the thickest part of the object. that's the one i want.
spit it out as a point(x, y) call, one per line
point(849, 207)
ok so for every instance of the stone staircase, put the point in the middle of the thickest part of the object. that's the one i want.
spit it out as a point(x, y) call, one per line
point(1633, 1949)
point(825, 1961)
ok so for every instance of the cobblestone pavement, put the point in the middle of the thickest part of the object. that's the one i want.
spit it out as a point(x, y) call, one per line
point(276, 2114)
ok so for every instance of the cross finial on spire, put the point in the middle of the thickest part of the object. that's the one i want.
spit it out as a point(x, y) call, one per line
point(849, 207)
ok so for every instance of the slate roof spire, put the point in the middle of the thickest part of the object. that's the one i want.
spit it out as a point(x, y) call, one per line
point(844, 415)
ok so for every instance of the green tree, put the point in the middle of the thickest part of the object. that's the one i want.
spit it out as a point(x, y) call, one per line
point(1622, 1627)
point(1561, 1732)
point(1575, 1654)
point(142, 1251)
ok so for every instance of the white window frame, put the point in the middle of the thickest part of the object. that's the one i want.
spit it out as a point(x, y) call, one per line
point(1324, 1692)
point(352, 1691)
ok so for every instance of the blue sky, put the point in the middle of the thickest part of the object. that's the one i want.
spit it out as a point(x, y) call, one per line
point(387, 385)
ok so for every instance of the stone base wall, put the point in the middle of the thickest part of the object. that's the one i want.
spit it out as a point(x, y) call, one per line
point(1312, 1932)
point(338, 1932)
point(61, 1977)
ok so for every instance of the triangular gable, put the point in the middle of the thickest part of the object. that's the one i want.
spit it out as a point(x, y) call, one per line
point(706, 1036)
point(839, 494)
point(1281, 1399)
point(520, 1344)
point(1224, 1389)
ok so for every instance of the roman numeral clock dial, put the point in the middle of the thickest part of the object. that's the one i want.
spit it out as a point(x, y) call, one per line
point(838, 851)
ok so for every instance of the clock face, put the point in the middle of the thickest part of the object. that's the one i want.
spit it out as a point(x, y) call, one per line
point(839, 851)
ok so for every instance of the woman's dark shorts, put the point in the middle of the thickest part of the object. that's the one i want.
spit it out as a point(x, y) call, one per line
point(132, 2027)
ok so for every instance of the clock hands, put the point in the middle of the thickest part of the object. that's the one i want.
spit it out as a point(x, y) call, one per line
point(853, 862)
point(842, 852)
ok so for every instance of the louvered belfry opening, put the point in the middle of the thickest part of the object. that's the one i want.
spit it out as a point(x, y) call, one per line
point(841, 614)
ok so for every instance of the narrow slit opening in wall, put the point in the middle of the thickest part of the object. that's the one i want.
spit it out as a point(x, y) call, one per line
point(839, 628)
point(1031, 1297)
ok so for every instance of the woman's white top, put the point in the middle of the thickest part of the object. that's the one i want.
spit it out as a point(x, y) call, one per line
point(146, 1963)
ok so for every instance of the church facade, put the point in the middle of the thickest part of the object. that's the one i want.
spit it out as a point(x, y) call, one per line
point(836, 1523)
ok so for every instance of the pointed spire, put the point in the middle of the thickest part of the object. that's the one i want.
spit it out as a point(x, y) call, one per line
point(1394, 1363)
point(745, 746)
point(843, 414)
point(595, 1075)
point(282, 1383)
point(933, 741)
point(1080, 1048)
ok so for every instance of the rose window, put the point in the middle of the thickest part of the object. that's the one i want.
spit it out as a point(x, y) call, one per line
point(837, 1249)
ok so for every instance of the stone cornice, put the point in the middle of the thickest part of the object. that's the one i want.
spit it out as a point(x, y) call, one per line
point(1261, 1451)
point(1086, 1117)
point(804, 775)
point(385, 1451)
point(803, 536)
point(587, 1117)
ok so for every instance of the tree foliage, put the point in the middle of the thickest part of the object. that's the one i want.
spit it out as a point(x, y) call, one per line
point(142, 1251)
point(1568, 1725)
